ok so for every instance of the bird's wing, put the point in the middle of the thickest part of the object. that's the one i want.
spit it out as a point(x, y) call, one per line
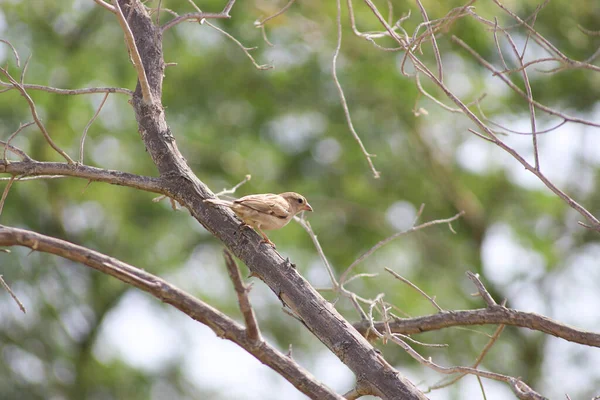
point(271, 204)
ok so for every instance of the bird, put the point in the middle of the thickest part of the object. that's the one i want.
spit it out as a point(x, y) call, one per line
point(266, 211)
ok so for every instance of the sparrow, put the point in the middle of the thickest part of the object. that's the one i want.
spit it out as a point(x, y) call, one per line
point(266, 211)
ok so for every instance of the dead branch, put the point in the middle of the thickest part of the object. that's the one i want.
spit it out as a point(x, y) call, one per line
point(199, 16)
point(496, 315)
point(69, 92)
point(182, 185)
point(357, 138)
point(223, 326)
point(13, 295)
point(36, 168)
point(36, 118)
point(242, 293)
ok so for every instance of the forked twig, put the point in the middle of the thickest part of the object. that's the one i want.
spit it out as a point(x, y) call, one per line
point(385, 241)
point(199, 16)
point(233, 189)
point(245, 49)
point(261, 24)
point(7, 145)
point(35, 116)
point(478, 361)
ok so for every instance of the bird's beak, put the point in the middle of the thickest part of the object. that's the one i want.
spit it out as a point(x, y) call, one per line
point(307, 207)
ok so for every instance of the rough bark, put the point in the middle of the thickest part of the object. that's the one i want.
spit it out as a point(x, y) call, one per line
point(319, 316)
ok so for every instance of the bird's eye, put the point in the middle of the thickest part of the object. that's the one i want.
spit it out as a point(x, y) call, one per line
point(300, 201)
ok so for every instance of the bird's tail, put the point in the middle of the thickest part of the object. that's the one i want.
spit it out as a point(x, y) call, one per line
point(219, 202)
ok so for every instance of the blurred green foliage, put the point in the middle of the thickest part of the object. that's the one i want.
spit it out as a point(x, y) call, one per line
point(286, 128)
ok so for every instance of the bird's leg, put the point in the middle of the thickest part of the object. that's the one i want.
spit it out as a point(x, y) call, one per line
point(265, 238)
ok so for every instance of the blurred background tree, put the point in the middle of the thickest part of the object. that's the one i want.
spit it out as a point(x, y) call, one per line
point(88, 336)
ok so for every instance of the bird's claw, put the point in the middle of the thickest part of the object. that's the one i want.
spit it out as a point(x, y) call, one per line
point(267, 241)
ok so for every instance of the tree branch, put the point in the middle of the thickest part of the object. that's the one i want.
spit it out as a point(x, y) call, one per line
point(37, 168)
point(69, 92)
point(222, 325)
point(242, 293)
point(485, 316)
point(318, 315)
point(36, 118)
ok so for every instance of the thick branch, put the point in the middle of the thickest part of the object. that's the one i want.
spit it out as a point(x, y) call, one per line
point(318, 315)
point(486, 316)
point(222, 325)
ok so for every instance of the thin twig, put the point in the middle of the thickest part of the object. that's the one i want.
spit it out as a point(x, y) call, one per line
point(359, 276)
point(35, 116)
point(246, 50)
point(15, 53)
point(434, 45)
point(518, 90)
point(13, 295)
point(385, 241)
point(233, 189)
point(7, 145)
point(388, 331)
point(24, 71)
point(529, 101)
point(35, 178)
point(5, 193)
point(262, 22)
point(72, 92)
point(306, 225)
point(199, 16)
point(87, 127)
point(158, 12)
point(343, 97)
point(412, 285)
